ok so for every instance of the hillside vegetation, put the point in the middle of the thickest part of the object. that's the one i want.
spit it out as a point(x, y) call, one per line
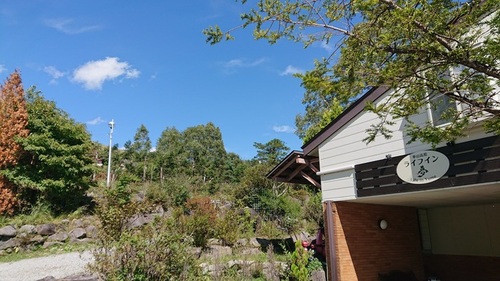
point(50, 163)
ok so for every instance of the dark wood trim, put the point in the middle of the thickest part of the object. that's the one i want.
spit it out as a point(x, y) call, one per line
point(347, 115)
point(471, 162)
point(330, 239)
point(297, 168)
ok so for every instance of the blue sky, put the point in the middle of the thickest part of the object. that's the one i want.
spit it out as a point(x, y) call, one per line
point(146, 62)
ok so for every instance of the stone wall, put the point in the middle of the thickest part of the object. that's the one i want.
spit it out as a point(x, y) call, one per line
point(28, 237)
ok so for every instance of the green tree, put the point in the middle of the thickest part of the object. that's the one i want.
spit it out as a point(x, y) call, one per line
point(407, 45)
point(168, 157)
point(233, 169)
point(139, 152)
point(57, 164)
point(204, 150)
point(271, 152)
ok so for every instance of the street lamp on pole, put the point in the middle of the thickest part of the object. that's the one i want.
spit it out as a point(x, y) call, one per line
point(111, 127)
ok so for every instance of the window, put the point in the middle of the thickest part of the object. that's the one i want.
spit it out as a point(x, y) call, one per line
point(440, 104)
point(438, 107)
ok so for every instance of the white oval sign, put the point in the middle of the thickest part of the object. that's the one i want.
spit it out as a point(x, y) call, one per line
point(423, 167)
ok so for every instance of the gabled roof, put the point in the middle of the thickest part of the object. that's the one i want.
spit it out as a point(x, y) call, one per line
point(302, 166)
point(297, 168)
point(347, 115)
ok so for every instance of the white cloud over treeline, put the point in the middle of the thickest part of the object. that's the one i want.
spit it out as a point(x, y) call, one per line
point(93, 74)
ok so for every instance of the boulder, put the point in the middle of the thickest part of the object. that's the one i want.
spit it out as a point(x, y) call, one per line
point(58, 237)
point(37, 239)
point(91, 231)
point(77, 223)
point(28, 229)
point(78, 233)
point(11, 243)
point(46, 229)
point(8, 231)
point(216, 251)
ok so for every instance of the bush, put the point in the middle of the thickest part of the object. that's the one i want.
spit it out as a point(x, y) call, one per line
point(313, 210)
point(170, 194)
point(234, 225)
point(200, 222)
point(114, 209)
point(158, 251)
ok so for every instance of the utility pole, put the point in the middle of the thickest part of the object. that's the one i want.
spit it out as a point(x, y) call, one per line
point(111, 127)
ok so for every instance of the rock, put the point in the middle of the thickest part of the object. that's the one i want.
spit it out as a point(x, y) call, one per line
point(302, 236)
point(58, 237)
point(215, 242)
point(251, 251)
point(274, 271)
point(136, 221)
point(216, 251)
point(81, 241)
point(252, 242)
point(64, 224)
point(28, 229)
point(196, 251)
point(8, 231)
point(46, 229)
point(37, 239)
point(77, 223)
point(91, 231)
point(11, 243)
point(318, 275)
point(78, 233)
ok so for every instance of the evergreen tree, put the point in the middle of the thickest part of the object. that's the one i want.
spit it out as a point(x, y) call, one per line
point(57, 164)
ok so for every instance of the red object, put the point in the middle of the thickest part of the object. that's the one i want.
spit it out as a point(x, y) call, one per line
point(317, 244)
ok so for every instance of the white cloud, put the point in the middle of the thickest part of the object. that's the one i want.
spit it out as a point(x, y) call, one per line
point(54, 73)
point(95, 121)
point(290, 70)
point(94, 73)
point(283, 129)
point(243, 63)
point(64, 25)
point(2, 68)
point(326, 46)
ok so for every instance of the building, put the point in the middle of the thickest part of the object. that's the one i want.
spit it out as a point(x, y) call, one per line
point(394, 206)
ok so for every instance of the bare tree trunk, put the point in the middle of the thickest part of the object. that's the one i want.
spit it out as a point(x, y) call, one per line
point(161, 175)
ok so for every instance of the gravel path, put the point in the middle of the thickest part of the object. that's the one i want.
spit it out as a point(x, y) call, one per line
point(58, 266)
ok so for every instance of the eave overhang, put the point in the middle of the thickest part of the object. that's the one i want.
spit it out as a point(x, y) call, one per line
point(297, 168)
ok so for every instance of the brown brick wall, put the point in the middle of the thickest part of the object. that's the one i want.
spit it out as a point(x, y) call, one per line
point(363, 250)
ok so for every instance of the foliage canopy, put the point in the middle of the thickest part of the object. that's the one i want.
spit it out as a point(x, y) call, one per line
point(56, 165)
point(407, 45)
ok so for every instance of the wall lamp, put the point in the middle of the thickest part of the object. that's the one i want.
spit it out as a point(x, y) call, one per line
point(382, 224)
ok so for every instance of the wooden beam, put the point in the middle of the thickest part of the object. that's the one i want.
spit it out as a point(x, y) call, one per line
point(310, 179)
point(283, 168)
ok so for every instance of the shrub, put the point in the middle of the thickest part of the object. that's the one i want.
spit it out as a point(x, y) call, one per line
point(8, 200)
point(114, 208)
point(298, 263)
point(172, 193)
point(200, 221)
point(313, 210)
point(158, 251)
point(233, 225)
